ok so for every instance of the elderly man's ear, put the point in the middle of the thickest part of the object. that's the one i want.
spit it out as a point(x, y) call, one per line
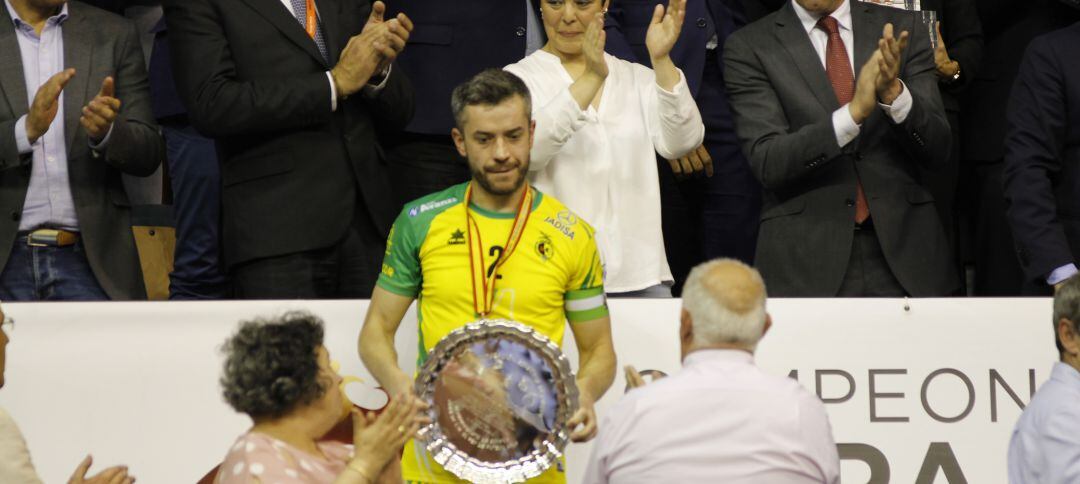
point(686, 327)
point(1068, 337)
point(768, 324)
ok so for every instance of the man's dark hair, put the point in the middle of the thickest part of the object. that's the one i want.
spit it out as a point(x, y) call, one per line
point(1067, 305)
point(488, 88)
point(272, 365)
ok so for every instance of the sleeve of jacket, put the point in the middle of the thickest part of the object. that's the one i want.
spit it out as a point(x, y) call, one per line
point(219, 104)
point(136, 146)
point(392, 108)
point(778, 156)
point(962, 32)
point(1034, 142)
point(925, 132)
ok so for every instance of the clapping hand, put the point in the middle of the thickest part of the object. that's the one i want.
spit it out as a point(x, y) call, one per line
point(593, 48)
point(371, 51)
point(46, 104)
point(377, 440)
point(98, 116)
point(946, 67)
point(888, 84)
point(396, 33)
point(664, 29)
point(112, 475)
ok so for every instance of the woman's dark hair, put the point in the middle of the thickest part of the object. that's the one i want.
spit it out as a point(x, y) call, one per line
point(272, 366)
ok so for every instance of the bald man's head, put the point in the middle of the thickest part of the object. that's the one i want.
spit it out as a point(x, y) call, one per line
point(725, 302)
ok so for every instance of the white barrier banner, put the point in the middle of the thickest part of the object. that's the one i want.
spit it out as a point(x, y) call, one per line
point(922, 391)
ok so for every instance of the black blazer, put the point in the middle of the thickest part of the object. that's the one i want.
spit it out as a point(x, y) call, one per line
point(97, 44)
point(963, 37)
point(783, 105)
point(1042, 154)
point(294, 171)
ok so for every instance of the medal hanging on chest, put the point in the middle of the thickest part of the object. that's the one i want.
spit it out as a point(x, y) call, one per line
point(483, 278)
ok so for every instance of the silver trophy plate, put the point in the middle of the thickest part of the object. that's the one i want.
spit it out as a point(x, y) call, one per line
point(500, 396)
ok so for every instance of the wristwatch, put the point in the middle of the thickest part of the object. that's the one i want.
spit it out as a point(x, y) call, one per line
point(953, 78)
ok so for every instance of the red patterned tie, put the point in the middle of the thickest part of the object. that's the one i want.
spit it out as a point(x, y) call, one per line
point(838, 68)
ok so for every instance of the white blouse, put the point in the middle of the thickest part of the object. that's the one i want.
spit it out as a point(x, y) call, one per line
point(601, 162)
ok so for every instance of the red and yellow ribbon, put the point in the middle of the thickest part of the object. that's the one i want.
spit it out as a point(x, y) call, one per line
point(484, 291)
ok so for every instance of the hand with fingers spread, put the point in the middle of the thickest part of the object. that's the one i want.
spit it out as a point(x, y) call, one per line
point(583, 423)
point(694, 163)
point(891, 49)
point(664, 29)
point(379, 439)
point(46, 104)
point(112, 475)
point(98, 116)
point(946, 67)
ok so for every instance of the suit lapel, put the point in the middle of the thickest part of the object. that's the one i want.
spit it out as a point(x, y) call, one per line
point(278, 16)
point(12, 81)
point(867, 33)
point(793, 37)
point(78, 53)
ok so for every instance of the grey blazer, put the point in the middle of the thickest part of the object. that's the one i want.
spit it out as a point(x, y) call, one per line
point(783, 105)
point(97, 44)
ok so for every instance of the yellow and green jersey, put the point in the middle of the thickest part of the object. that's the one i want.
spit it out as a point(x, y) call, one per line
point(553, 276)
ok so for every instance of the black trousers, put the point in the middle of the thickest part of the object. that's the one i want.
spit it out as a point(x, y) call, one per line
point(868, 273)
point(346, 270)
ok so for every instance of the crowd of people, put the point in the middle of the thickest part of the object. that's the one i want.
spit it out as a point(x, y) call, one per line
point(845, 148)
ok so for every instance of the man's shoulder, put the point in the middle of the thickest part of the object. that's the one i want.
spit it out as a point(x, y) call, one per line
point(102, 19)
point(424, 209)
point(556, 214)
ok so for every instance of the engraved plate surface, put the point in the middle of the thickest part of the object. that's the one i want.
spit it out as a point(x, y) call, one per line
point(500, 396)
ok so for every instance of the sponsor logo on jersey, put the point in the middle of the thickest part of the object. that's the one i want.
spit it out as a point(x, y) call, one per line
point(544, 248)
point(424, 207)
point(456, 238)
point(561, 225)
point(567, 218)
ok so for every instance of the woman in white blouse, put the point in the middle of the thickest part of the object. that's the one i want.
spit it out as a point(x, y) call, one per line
point(599, 122)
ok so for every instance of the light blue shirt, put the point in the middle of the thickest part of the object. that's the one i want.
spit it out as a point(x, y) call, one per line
point(1045, 445)
point(49, 202)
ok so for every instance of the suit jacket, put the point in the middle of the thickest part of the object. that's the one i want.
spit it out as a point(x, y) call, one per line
point(294, 171)
point(453, 41)
point(97, 44)
point(1042, 154)
point(1008, 26)
point(783, 105)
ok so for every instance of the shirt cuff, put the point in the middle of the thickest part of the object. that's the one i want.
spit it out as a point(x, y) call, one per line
point(333, 91)
point(372, 90)
point(99, 147)
point(844, 125)
point(901, 106)
point(1061, 274)
point(22, 140)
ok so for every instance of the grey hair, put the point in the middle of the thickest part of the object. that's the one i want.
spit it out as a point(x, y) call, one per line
point(272, 366)
point(488, 88)
point(1067, 305)
point(709, 298)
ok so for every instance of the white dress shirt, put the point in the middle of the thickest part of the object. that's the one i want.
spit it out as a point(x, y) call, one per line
point(1045, 445)
point(720, 419)
point(602, 162)
point(843, 123)
point(15, 465)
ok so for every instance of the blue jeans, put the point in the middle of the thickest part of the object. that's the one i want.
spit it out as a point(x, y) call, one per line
point(49, 274)
point(196, 185)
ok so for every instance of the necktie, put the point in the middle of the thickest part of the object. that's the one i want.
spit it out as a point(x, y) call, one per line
point(838, 69)
point(310, 23)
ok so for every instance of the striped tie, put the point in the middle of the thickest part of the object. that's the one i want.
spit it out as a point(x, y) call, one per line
point(300, 10)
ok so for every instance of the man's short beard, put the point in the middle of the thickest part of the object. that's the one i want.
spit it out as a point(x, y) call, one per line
point(481, 178)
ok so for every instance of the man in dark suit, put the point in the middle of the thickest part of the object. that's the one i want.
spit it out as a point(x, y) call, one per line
point(1042, 158)
point(845, 213)
point(294, 92)
point(1008, 27)
point(710, 201)
point(68, 233)
point(454, 40)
